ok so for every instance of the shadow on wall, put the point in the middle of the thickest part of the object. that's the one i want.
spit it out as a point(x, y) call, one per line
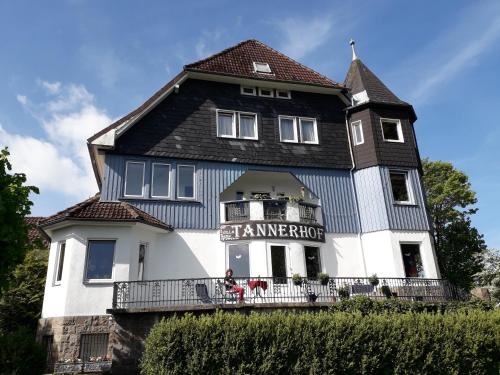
point(174, 259)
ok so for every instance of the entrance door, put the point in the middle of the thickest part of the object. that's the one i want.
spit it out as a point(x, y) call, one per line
point(278, 264)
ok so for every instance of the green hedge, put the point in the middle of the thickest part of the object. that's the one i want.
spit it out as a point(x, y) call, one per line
point(325, 343)
point(20, 354)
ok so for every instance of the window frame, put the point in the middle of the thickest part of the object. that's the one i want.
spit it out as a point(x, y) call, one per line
point(315, 126)
point(256, 70)
point(398, 127)
point(228, 245)
point(409, 190)
point(295, 132)
point(256, 130)
point(270, 261)
point(59, 265)
point(356, 141)
point(254, 90)
point(419, 244)
point(169, 180)
point(87, 252)
point(233, 124)
point(126, 177)
point(288, 92)
point(92, 341)
point(320, 258)
point(146, 247)
point(194, 182)
point(271, 95)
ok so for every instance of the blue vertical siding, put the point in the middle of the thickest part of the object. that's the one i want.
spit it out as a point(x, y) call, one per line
point(333, 188)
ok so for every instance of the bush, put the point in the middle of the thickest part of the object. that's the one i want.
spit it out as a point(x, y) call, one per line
point(20, 354)
point(325, 342)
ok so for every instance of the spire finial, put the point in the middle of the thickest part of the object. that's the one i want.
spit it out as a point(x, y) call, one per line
point(352, 43)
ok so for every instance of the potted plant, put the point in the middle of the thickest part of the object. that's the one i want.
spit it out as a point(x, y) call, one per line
point(297, 279)
point(323, 278)
point(374, 280)
point(344, 292)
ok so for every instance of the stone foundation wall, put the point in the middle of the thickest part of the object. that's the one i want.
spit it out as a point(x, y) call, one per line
point(67, 332)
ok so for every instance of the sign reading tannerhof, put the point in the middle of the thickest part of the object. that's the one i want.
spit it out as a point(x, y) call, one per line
point(257, 230)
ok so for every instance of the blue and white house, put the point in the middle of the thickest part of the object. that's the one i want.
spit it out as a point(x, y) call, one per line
point(245, 160)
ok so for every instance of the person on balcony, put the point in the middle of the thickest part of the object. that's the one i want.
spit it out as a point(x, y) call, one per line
point(232, 286)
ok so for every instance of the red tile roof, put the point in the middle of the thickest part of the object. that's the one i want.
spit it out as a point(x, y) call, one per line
point(35, 236)
point(94, 210)
point(238, 61)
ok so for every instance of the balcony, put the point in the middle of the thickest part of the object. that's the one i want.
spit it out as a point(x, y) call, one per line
point(270, 292)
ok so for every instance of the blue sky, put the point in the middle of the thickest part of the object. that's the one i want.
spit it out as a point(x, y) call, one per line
point(70, 67)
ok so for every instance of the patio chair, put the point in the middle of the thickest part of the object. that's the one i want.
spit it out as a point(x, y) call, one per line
point(202, 293)
point(309, 293)
point(227, 295)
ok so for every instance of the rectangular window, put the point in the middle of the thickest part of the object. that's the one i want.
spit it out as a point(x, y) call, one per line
point(308, 131)
point(60, 262)
point(391, 130)
point(238, 260)
point(93, 345)
point(267, 93)
point(412, 260)
point(278, 264)
point(357, 133)
point(259, 67)
point(313, 262)
point(283, 94)
point(399, 185)
point(134, 179)
point(142, 261)
point(248, 90)
point(288, 130)
point(226, 124)
point(248, 126)
point(160, 180)
point(185, 181)
point(100, 258)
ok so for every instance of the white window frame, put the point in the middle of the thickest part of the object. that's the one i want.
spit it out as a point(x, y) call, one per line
point(254, 125)
point(271, 95)
point(408, 186)
point(315, 142)
point(296, 136)
point(286, 245)
point(256, 70)
point(126, 175)
point(229, 244)
point(194, 182)
point(419, 243)
point(320, 252)
point(58, 263)
point(146, 247)
point(233, 125)
point(287, 92)
point(254, 90)
point(357, 142)
point(99, 281)
point(169, 180)
point(399, 130)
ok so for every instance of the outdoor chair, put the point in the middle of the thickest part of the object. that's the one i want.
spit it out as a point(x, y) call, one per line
point(202, 293)
point(227, 295)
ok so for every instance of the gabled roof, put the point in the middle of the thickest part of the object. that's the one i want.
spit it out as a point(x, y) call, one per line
point(359, 78)
point(238, 61)
point(94, 210)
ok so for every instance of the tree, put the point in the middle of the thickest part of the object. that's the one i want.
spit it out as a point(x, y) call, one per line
point(450, 202)
point(14, 206)
point(489, 276)
point(21, 303)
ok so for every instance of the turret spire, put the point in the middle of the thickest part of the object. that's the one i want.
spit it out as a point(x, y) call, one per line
point(352, 43)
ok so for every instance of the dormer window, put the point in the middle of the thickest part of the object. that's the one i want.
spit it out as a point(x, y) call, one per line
point(260, 67)
point(391, 130)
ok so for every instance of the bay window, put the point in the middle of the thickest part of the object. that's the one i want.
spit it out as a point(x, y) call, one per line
point(100, 259)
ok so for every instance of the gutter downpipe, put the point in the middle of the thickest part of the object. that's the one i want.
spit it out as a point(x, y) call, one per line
point(358, 214)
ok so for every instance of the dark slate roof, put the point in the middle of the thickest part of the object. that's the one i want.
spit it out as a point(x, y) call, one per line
point(238, 61)
point(360, 78)
point(93, 209)
point(35, 236)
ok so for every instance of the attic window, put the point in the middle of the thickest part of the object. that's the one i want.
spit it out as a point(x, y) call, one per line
point(261, 67)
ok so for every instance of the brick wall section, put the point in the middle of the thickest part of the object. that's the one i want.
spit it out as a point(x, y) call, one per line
point(184, 126)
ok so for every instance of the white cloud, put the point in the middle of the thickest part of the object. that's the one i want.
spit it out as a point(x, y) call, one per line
point(59, 162)
point(301, 37)
point(50, 87)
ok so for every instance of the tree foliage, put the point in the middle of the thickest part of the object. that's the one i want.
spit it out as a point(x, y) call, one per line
point(489, 276)
point(14, 206)
point(450, 202)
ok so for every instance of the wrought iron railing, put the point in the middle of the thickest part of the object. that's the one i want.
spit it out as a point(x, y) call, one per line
point(275, 210)
point(269, 290)
point(307, 213)
point(237, 211)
